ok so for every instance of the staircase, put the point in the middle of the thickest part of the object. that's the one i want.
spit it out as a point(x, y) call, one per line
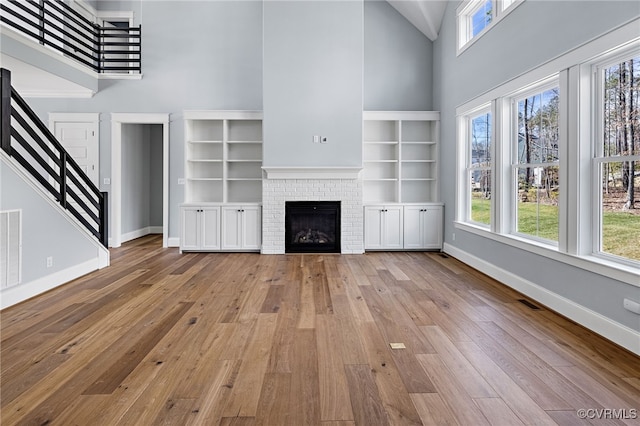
point(30, 143)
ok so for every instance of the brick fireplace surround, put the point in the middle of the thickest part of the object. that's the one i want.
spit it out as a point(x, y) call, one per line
point(312, 184)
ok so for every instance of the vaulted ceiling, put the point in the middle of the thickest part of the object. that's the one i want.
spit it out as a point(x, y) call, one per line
point(425, 15)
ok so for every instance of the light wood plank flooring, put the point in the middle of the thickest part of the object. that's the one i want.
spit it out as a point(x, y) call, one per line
point(249, 339)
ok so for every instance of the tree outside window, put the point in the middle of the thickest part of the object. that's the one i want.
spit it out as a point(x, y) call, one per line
point(537, 165)
point(617, 159)
point(479, 170)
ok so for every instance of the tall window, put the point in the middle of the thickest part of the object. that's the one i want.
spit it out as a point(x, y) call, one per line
point(617, 158)
point(479, 168)
point(536, 164)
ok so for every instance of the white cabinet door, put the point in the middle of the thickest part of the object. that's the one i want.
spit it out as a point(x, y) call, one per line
point(210, 228)
point(190, 229)
point(383, 227)
point(241, 227)
point(423, 227)
point(373, 227)
point(231, 228)
point(200, 229)
point(432, 227)
point(252, 228)
point(393, 226)
point(413, 227)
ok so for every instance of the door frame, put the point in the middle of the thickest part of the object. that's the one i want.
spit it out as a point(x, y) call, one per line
point(117, 120)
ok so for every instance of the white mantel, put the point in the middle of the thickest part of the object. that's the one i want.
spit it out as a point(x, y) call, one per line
point(312, 172)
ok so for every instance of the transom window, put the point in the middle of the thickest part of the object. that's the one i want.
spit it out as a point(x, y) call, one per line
point(474, 17)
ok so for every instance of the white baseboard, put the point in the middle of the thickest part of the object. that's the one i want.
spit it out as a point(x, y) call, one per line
point(141, 233)
point(173, 242)
point(21, 292)
point(598, 323)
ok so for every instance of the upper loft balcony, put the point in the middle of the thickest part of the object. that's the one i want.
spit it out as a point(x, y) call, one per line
point(62, 49)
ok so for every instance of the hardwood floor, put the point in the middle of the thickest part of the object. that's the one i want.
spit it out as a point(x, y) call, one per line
point(249, 339)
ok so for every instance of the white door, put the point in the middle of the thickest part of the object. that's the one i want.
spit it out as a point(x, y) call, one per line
point(80, 139)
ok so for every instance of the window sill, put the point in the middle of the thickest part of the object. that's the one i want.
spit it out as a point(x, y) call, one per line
point(610, 269)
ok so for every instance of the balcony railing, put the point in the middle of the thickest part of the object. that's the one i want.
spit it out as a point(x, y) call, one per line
point(57, 25)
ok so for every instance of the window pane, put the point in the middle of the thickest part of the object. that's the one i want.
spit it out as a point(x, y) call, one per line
point(537, 208)
point(621, 111)
point(620, 224)
point(538, 128)
point(481, 140)
point(481, 18)
point(481, 196)
point(480, 168)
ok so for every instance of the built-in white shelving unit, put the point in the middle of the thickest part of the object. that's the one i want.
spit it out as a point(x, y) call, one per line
point(223, 156)
point(400, 150)
point(400, 156)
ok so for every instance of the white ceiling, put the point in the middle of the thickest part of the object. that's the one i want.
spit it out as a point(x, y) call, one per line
point(425, 15)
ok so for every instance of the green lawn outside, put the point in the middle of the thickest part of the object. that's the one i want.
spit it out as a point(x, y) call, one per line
point(621, 230)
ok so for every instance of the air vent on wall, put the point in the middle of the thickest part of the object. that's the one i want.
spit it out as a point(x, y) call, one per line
point(10, 248)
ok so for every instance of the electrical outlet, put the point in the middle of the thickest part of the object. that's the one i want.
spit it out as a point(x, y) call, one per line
point(180, 181)
point(316, 139)
point(106, 181)
point(49, 262)
point(453, 236)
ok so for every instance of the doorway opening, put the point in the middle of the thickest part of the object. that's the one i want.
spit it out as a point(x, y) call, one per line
point(131, 217)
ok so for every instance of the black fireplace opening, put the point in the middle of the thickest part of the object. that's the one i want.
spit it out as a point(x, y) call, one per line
point(312, 227)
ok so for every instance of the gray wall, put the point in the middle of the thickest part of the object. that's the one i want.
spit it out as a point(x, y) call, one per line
point(213, 59)
point(54, 237)
point(313, 68)
point(398, 61)
point(534, 33)
point(141, 176)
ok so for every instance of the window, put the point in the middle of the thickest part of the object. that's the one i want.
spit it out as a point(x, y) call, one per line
point(617, 157)
point(479, 168)
point(549, 161)
point(536, 164)
point(481, 17)
point(477, 16)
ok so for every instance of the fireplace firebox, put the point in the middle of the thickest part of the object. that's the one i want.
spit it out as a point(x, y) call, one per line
point(312, 227)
